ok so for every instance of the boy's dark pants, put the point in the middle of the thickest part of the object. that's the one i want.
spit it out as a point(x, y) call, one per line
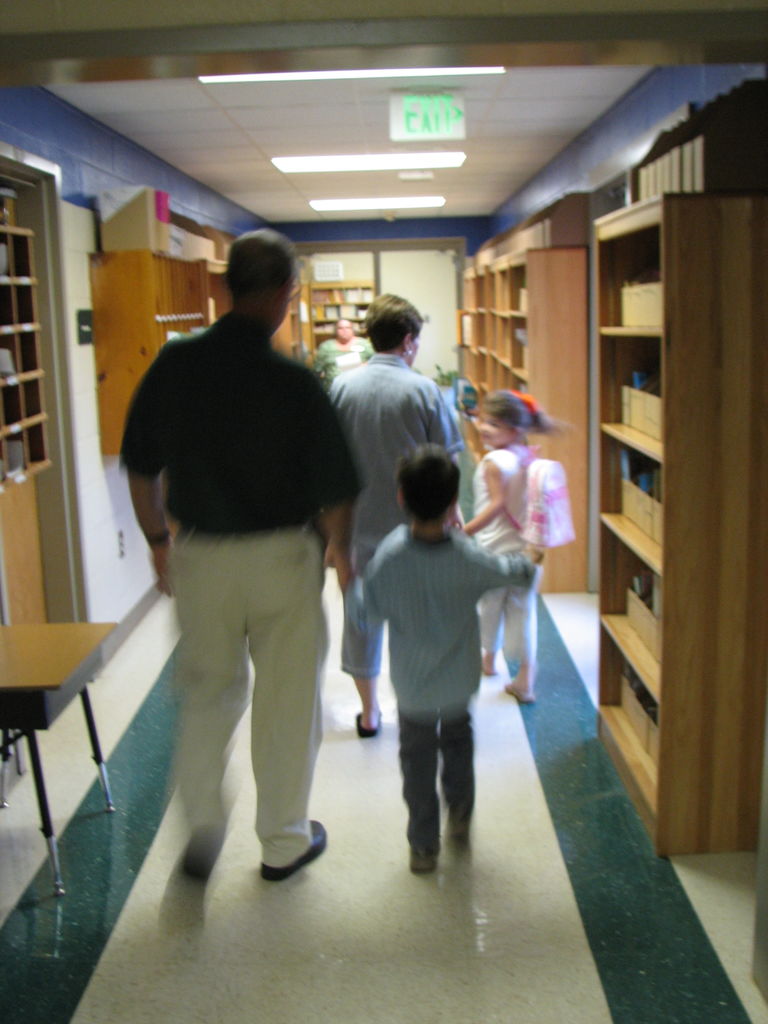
point(426, 738)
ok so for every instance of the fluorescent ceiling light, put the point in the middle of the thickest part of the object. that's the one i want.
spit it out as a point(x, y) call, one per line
point(314, 76)
point(393, 203)
point(367, 162)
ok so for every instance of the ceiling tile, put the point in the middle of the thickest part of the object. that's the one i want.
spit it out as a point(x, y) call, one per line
point(225, 135)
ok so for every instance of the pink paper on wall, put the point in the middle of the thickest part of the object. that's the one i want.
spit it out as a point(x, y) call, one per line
point(162, 206)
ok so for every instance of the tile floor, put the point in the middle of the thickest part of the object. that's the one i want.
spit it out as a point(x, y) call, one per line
point(495, 935)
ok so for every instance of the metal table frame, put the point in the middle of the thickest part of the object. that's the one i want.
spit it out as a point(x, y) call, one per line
point(42, 668)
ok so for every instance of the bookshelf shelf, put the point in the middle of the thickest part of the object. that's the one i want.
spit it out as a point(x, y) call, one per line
point(638, 769)
point(635, 651)
point(636, 439)
point(524, 327)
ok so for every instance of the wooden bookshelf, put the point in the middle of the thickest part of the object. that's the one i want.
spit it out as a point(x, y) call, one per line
point(524, 326)
point(23, 441)
point(140, 300)
point(694, 767)
point(23, 428)
point(337, 300)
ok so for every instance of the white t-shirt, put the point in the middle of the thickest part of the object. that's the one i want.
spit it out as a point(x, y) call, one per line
point(502, 535)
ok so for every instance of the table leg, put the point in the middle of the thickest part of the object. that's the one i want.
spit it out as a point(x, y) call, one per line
point(5, 745)
point(96, 747)
point(10, 742)
point(45, 814)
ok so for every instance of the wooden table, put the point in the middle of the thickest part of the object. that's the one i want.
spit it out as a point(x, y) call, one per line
point(42, 668)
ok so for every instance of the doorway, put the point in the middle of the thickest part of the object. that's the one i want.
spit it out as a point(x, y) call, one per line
point(427, 278)
point(427, 272)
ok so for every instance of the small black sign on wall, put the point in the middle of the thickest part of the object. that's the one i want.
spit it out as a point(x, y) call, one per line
point(85, 326)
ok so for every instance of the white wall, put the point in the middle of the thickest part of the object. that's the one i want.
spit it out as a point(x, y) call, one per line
point(356, 266)
point(114, 582)
point(427, 278)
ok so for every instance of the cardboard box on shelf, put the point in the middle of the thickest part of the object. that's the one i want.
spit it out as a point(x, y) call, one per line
point(221, 241)
point(652, 412)
point(189, 246)
point(134, 218)
point(641, 305)
point(657, 521)
point(636, 505)
point(644, 623)
point(635, 712)
point(641, 410)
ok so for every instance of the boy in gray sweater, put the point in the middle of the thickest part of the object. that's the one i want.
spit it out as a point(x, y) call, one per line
point(425, 580)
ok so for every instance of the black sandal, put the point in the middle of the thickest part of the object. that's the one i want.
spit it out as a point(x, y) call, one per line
point(362, 732)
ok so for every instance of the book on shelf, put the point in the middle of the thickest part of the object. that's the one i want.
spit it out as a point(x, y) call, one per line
point(7, 364)
point(15, 454)
point(466, 396)
point(466, 329)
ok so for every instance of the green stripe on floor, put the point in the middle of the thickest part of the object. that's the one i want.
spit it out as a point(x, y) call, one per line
point(49, 946)
point(653, 956)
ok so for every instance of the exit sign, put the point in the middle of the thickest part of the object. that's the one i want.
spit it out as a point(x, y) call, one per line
point(415, 117)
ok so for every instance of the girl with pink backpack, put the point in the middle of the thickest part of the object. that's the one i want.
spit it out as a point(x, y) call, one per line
point(520, 503)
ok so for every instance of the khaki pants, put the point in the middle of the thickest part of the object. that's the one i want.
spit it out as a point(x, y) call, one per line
point(256, 595)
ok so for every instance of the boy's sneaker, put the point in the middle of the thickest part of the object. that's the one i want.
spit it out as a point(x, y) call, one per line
point(423, 861)
point(458, 822)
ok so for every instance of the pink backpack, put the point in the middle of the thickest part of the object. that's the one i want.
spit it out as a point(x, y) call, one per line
point(548, 507)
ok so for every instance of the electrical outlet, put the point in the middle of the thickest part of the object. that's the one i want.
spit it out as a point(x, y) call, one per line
point(120, 544)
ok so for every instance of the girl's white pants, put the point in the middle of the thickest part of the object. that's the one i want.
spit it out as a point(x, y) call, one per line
point(508, 620)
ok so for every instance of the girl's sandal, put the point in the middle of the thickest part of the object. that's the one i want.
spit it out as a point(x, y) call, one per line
point(523, 698)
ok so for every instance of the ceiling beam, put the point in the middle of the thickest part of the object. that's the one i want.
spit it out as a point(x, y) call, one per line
point(644, 37)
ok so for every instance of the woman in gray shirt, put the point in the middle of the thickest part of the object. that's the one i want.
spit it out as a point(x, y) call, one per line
point(387, 410)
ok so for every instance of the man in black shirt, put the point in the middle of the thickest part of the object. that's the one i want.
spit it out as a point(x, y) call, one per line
point(241, 448)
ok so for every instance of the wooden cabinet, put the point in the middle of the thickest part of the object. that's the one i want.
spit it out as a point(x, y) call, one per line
point(219, 298)
point(341, 300)
point(140, 299)
point(524, 326)
point(684, 512)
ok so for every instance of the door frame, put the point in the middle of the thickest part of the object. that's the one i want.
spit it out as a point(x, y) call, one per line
point(456, 245)
point(38, 207)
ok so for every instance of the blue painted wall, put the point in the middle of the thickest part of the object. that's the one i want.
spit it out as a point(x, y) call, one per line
point(93, 158)
point(474, 229)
